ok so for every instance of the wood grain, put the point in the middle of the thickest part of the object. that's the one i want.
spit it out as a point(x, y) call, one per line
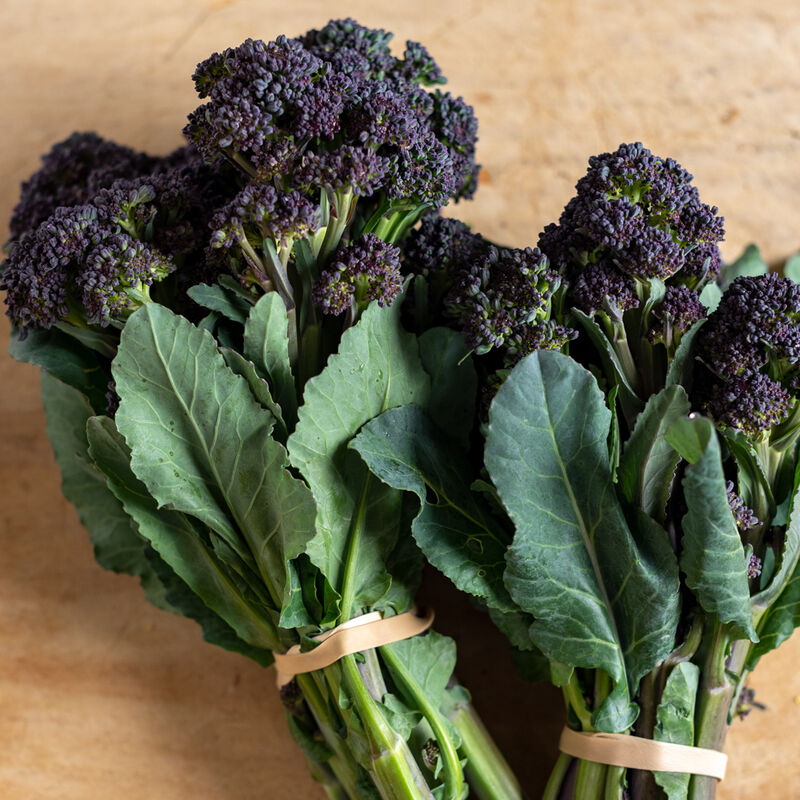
point(103, 696)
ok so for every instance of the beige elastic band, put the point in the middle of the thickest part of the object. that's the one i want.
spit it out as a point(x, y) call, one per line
point(354, 636)
point(636, 752)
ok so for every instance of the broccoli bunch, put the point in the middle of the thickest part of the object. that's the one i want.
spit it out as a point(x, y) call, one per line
point(93, 263)
point(750, 347)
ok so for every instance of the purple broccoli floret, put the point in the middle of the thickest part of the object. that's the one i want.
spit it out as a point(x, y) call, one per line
point(745, 517)
point(750, 347)
point(639, 215)
point(500, 299)
point(71, 173)
point(679, 309)
point(365, 270)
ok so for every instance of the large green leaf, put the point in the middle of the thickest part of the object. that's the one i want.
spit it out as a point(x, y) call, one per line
point(201, 443)
point(750, 263)
point(377, 368)
point(63, 357)
point(454, 382)
point(599, 600)
point(675, 723)
point(648, 462)
point(117, 545)
point(713, 556)
point(266, 344)
point(453, 527)
point(178, 539)
point(778, 605)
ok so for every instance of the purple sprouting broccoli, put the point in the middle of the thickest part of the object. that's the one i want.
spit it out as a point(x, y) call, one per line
point(636, 246)
point(503, 300)
point(640, 213)
point(260, 226)
point(750, 351)
point(334, 112)
point(94, 263)
point(367, 269)
point(679, 309)
point(745, 517)
point(71, 173)
point(74, 267)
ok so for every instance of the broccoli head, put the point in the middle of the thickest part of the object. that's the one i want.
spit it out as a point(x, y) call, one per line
point(334, 108)
point(367, 269)
point(639, 216)
point(750, 347)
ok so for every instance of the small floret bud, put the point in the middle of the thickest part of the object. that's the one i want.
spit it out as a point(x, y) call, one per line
point(675, 314)
point(365, 270)
point(745, 517)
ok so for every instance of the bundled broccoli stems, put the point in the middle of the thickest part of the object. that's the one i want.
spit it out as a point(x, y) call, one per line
point(607, 516)
point(308, 162)
point(639, 248)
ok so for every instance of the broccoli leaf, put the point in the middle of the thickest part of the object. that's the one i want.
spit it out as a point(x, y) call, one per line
point(454, 382)
point(675, 723)
point(713, 556)
point(266, 344)
point(258, 386)
point(74, 365)
point(117, 545)
point(791, 269)
point(201, 443)
point(377, 368)
point(547, 454)
point(682, 364)
point(453, 528)
point(216, 298)
point(176, 538)
point(778, 604)
point(648, 461)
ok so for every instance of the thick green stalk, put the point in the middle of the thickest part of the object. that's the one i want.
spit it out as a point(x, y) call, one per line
point(488, 775)
point(397, 776)
point(453, 776)
point(717, 690)
point(615, 783)
point(591, 781)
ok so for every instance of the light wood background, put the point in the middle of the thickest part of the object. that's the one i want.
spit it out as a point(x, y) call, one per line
point(102, 695)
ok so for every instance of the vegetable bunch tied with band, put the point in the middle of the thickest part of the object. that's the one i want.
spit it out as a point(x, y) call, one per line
point(214, 328)
point(626, 506)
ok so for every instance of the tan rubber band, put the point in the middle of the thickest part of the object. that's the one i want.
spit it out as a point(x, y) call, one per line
point(636, 752)
point(354, 636)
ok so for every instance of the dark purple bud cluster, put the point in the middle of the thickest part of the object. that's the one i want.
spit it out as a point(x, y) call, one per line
point(264, 212)
point(75, 262)
point(442, 246)
point(116, 274)
point(365, 270)
point(751, 347)
point(754, 567)
point(679, 309)
point(360, 169)
point(640, 216)
point(499, 299)
point(600, 286)
point(745, 517)
point(71, 174)
point(336, 105)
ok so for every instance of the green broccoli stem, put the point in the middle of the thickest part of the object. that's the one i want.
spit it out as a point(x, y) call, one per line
point(453, 776)
point(724, 663)
point(488, 774)
point(556, 781)
point(396, 774)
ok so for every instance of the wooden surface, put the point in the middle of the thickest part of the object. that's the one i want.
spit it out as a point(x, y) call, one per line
point(102, 695)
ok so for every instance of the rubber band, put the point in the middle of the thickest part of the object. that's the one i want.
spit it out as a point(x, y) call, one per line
point(636, 752)
point(354, 636)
